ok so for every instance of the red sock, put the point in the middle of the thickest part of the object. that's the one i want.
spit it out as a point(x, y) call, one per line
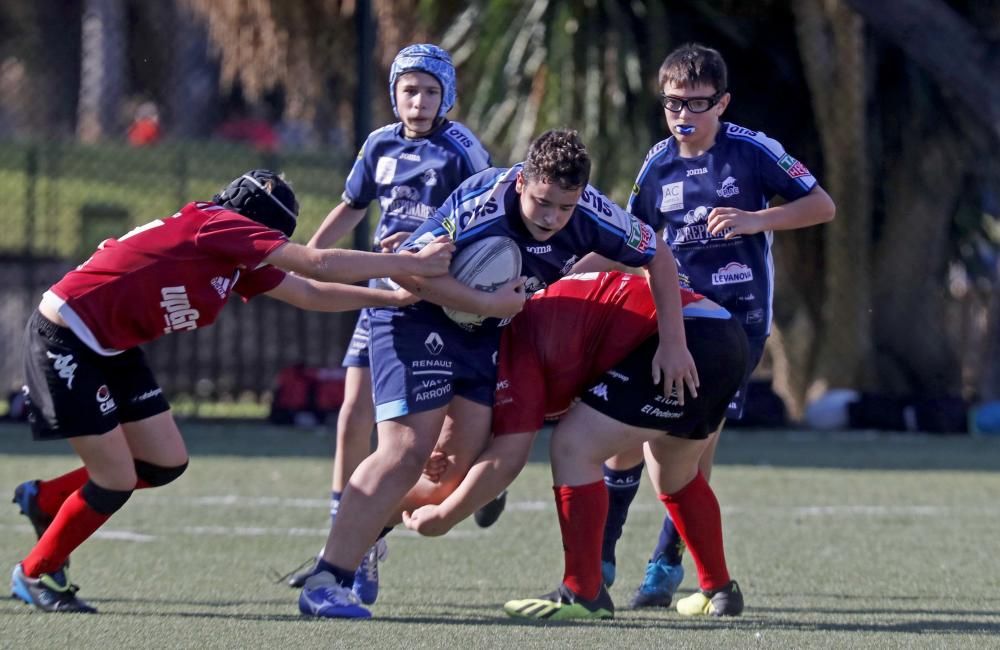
point(582, 511)
point(52, 493)
point(73, 524)
point(695, 513)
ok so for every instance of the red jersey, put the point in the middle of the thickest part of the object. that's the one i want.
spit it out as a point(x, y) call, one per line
point(168, 275)
point(566, 337)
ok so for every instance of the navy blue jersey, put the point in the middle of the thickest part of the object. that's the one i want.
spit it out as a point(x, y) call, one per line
point(486, 205)
point(744, 169)
point(410, 178)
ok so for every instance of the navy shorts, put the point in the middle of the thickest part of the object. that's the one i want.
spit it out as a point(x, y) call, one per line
point(756, 351)
point(626, 393)
point(73, 391)
point(421, 360)
point(357, 349)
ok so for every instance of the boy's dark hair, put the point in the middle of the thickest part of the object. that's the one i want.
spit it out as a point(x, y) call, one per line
point(558, 156)
point(693, 64)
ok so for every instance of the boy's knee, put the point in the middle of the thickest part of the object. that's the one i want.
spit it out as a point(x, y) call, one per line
point(103, 500)
point(156, 475)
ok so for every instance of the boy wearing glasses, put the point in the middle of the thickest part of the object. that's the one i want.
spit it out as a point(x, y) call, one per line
point(708, 188)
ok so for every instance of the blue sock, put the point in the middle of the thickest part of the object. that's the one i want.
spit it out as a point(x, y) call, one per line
point(670, 545)
point(334, 504)
point(622, 485)
point(344, 578)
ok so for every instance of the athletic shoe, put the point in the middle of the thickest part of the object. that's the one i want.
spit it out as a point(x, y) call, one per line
point(366, 577)
point(297, 579)
point(659, 585)
point(608, 573)
point(26, 497)
point(49, 592)
point(562, 604)
point(727, 601)
point(323, 596)
point(488, 514)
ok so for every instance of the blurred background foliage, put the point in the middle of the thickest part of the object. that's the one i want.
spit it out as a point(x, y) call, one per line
point(894, 106)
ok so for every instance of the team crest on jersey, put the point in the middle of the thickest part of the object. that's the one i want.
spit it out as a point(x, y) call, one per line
point(430, 178)
point(728, 188)
point(792, 167)
point(385, 170)
point(673, 197)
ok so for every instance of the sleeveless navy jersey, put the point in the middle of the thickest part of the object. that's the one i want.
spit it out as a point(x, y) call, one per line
point(487, 205)
point(410, 178)
point(744, 169)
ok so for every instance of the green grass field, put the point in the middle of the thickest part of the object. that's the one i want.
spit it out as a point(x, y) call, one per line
point(844, 541)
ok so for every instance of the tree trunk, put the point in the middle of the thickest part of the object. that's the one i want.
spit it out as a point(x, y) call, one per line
point(914, 354)
point(831, 42)
point(102, 69)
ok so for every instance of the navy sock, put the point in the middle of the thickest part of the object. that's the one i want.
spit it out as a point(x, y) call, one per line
point(622, 485)
point(670, 545)
point(344, 578)
point(334, 504)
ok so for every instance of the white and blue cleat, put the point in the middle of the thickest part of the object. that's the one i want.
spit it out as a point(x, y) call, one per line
point(323, 597)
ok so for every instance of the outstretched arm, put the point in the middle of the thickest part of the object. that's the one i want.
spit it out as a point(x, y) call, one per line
point(494, 470)
point(341, 265)
point(331, 296)
point(672, 362)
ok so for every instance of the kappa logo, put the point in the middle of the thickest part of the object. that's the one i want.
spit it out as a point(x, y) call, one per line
point(64, 365)
point(728, 188)
point(433, 343)
point(221, 286)
point(104, 400)
point(600, 390)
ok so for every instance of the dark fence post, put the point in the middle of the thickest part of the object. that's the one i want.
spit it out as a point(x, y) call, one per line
point(365, 28)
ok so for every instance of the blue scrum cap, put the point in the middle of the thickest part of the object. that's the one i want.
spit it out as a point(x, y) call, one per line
point(424, 57)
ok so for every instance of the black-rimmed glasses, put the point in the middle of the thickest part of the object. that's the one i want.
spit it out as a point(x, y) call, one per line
point(693, 104)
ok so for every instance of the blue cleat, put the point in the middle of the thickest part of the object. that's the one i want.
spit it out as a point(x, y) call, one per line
point(366, 577)
point(48, 592)
point(608, 573)
point(323, 596)
point(26, 498)
point(659, 585)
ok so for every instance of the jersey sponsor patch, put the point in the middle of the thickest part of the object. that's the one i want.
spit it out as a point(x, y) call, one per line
point(385, 170)
point(732, 273)
point(640, 237)
point(792, 167)
point(673, 197)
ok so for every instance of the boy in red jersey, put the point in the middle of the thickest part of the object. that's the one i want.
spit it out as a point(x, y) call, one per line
point(87, 380)
point(592, 335)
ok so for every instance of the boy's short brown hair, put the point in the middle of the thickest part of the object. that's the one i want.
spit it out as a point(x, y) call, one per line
point(558, 156)
point(693, 64)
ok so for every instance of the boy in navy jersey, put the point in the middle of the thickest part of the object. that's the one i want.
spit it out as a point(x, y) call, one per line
point(431, 376)
point(410, 167)
point(87, 380)
point(708, 188)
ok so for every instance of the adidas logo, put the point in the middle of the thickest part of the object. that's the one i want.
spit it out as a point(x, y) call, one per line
point(221, 286)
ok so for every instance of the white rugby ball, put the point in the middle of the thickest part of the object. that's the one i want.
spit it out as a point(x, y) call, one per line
point(484, 265)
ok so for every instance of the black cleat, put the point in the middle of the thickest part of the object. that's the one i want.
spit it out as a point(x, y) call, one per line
point(488, 514)
point(562, 604)
point(727, 601)
point(48, 592)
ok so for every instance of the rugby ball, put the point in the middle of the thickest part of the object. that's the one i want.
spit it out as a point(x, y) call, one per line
point(484, 265)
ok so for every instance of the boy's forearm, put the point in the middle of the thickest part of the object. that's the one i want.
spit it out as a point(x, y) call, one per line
point(664, 284)
point(340, 221)
point(814, 208)
point(446, 291)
